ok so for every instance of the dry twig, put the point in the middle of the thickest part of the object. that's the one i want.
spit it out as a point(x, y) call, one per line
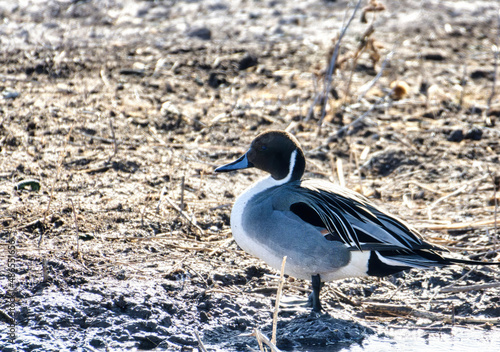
point(62, 156)
point(457, 192)
point(345, 299)
point(263, 339)
point(200, 343)
point(340, 172)
point(76, 228)
point(181, 206)
point(456, 226)
point(162, 194)
point(496, 182)
point(278, 298)
point(470, 287)
point(115, 143)
point(377, 77)
point(186, 216)
point(333, 61)
point(373, 6)
point(495, 71)
point(405, 311)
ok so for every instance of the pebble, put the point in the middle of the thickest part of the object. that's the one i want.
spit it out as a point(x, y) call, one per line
point(434, 55)
point(247, 61)
point(481, 73)
point(456, 136)
point(10, 94)
point(216, 79)
point(200, 32)
point(474, 133)
point(147, 342)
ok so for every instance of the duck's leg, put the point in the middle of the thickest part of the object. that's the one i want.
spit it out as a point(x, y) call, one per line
point(314, 301)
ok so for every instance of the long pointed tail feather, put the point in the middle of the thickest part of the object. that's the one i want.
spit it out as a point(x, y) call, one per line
point(382, 263)
point(470, 262)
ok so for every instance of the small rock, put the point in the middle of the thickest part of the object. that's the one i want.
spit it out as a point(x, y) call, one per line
point(218, 6)
point(456, 136)
point(475, 110)
point(494, 200)
point(182, 340)
point(170, 110)
point(34, 185)
point(132, 72)
point(424, 87)
point(247, 61)
point(140, 312)
point(433, 113)
point(165, 321)
point(204, 317)
point(254, 15)
point(290, 20)
point(474, 134)
point(9, 349)
point(278, 30)
point(96, 343)
point(494, 112)
point(216, 79)
point(121, 275)
point(31, 126)
point(238, 323)
point(147, 342)
point(434, 55)
point(496, 181)
point(200, 32)
point(419, 195)
point(10, 94)
point(481, 73)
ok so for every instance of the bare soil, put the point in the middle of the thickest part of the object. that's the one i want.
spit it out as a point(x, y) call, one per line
point(120, 110)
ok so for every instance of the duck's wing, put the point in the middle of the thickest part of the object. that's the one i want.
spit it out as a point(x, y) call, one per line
point(354, 219)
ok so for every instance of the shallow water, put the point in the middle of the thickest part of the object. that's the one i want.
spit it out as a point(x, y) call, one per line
point(457, 340)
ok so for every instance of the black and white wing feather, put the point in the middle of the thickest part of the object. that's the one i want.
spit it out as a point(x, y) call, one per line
point(356, 221)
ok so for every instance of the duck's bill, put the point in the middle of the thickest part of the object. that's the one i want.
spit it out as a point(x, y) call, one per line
point(241, 163)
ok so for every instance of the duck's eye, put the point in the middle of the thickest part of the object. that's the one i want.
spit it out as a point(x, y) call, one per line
point(263, 147)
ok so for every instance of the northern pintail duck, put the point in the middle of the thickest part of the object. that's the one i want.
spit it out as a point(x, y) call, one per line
point(326, 231)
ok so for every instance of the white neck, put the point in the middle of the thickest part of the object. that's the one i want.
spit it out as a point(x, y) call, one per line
point(293, 158)
point(250, 192)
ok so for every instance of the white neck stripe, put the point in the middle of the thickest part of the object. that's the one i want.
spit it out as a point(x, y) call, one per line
point(293, 159)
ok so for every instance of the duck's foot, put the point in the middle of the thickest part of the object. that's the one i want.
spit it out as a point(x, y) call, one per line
point(313, 300)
